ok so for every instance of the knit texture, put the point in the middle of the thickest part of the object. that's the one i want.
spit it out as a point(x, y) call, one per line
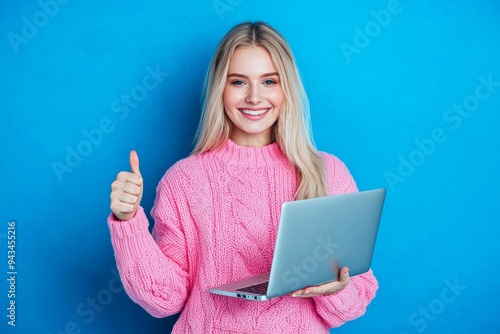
point(216, 217)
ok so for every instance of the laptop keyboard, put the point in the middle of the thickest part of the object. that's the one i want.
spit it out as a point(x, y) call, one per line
point(260, 288)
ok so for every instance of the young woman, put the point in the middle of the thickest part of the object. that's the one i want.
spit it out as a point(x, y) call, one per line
point(216, 212)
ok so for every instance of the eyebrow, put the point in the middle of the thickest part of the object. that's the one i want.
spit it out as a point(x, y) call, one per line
point(238, 75)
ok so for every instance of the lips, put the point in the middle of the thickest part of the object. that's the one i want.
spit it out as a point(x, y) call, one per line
point(254, 112)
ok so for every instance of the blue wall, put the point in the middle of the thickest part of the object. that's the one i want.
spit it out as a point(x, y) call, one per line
point(407, 93)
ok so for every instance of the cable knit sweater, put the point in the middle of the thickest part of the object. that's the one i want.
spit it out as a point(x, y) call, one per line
point(216, 217)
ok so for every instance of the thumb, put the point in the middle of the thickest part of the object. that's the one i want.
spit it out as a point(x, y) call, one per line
point(134, 162)
point(344, 274)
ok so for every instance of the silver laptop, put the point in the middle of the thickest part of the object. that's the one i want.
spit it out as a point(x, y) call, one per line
point(316, 238)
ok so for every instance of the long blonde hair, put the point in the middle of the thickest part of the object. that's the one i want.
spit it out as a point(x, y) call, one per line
point(292, 131)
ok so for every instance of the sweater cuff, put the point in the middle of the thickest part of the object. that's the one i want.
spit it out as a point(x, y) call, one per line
point(341, 300)
point(136, 225)
point(350, 302)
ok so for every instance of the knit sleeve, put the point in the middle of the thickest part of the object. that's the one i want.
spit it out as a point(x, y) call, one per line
point(350, 302)
point(153, 270)
point(340, 180)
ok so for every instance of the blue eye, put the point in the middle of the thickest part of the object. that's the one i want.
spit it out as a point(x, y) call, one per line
point(269, 82)
point(237, 82)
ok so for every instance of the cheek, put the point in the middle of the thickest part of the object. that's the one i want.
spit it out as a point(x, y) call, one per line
point(229, 98)
point(277, 98)
point(225, 97)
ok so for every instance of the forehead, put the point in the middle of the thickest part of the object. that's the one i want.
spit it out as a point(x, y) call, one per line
point(251, 60)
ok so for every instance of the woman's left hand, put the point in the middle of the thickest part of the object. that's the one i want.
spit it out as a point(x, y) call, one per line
point(325, 289)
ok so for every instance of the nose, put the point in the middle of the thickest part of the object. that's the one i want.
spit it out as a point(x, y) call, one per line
point(253, 95)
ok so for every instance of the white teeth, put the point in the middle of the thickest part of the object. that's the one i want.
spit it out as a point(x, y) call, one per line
point(253, 112)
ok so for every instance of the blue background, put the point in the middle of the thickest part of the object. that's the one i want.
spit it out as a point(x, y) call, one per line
point(371, 106)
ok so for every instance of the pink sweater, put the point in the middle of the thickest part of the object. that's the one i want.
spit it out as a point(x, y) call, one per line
point(216, 216)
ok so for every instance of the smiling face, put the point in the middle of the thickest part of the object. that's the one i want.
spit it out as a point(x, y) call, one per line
point(252, 96)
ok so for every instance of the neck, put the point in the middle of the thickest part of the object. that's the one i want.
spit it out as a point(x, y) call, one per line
point(251, 140)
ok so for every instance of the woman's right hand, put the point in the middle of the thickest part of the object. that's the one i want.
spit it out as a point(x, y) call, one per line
point(126, 190)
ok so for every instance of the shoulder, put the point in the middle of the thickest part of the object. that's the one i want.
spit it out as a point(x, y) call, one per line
point(340, 180)
point(333, 165)
point(188, 164)
point(186, 170)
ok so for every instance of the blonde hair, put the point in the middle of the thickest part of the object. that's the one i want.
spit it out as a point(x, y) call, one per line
point(292, 131)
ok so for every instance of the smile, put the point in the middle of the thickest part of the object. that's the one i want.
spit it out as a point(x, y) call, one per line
point(254, 112)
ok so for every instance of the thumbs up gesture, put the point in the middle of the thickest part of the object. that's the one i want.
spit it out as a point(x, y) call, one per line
point(126, 190)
